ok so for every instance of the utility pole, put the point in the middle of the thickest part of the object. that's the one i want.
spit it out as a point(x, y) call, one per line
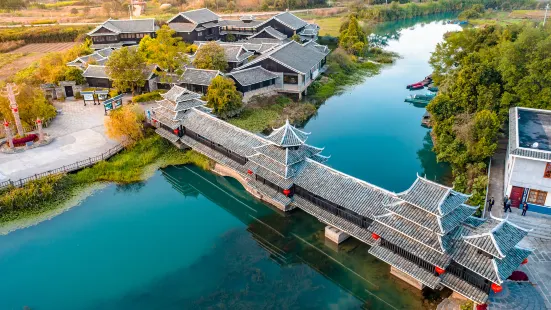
point(130, 7)
point(545, 18)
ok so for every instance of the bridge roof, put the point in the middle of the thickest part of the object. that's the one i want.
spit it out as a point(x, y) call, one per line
point(287, 135)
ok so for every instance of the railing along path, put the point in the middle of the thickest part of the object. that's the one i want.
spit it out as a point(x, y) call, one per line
point(64, 169)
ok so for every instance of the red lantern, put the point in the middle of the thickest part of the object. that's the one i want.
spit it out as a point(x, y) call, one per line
point(249, 171)
point(6, 124)
point(525, 261)
point(496, 288)
point(14, 110)
point(176, 131)
point(154, 120)
point(286, 192)
point(38, 121)
point(439, 270)
point(375, 236)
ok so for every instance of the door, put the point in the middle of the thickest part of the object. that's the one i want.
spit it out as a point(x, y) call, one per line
point(69, 91)
point(516, 196)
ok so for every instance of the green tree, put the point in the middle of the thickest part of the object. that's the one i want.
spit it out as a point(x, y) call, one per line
point(352, 38)
point(166, 51)
point(296, 38)
point(32, 104)
point(74, 74)
point(211, 56)
point(127, 69)
point(223, 97)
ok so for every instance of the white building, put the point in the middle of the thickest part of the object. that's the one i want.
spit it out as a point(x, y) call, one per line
point(528, 161)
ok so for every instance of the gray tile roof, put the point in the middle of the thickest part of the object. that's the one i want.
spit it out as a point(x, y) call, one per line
point(411, 230)
point(178, 94)
point(418, 216)
point(252, 75)
point(455, 218)
point(405, 266)
point(496, 236)
point(199, 16)
point(290, 20)
point(272, 33)
point(236, 53)
point(344, 190)
point(127, 26)
point(474, 222)
point(167, 135)
point(239, 23)
point(414, 247)
point(182, 27)
point(328, 218)
point(273, 177)
point(473, 259)
point(463, 288)
point(238, 140)
point(287, 135)
point(95, 71)
point(511, 262)
point(287, 156)
point(198, 76)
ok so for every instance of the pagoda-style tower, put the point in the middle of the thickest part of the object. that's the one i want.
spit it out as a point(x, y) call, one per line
point(282, 158)
point(171, 109)
point(430, 238)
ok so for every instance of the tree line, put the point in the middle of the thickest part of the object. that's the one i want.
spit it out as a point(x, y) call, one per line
point(481, 74)
point(396, 11)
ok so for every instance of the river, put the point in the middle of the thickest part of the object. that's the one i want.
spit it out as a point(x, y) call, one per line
point(187, 239)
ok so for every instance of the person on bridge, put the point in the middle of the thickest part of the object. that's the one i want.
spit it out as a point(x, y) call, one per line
point(491, 203)
point(507, 206)
point(524, 208)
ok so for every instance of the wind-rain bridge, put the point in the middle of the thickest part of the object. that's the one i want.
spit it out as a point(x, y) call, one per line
point(428, 233)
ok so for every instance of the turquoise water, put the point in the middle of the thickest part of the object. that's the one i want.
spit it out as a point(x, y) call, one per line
point(186, 239)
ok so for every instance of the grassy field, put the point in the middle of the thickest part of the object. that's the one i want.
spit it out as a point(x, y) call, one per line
point(8, 58)
point(508, 18)
point(270, 112)
point(329, 25)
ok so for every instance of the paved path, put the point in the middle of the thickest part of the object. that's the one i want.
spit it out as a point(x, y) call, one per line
point(78, 134)
point(497, 174)
point(516, 296)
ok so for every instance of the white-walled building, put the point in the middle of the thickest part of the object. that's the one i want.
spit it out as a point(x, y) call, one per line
point(528, 161)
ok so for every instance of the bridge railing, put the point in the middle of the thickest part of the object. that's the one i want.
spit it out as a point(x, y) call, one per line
point(64, 169)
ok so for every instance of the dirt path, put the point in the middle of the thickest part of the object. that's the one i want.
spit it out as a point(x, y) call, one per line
point(35, 51)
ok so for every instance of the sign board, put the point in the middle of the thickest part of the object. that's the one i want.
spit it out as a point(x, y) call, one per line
point(88, 97)
point(112, 103)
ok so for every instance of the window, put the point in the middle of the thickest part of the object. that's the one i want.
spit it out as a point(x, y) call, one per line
point(537, 197)
point(199, 34)
point(547, 173)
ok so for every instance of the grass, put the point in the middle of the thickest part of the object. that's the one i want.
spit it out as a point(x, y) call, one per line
point(59, 4)
point(6, 59)
point(129, 166)
point(265, 113)
point(329, 25)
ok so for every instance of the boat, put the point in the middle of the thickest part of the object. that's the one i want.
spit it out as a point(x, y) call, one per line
point(410, 86)
point(416, 86)
point(420, 100)
point(432, 88)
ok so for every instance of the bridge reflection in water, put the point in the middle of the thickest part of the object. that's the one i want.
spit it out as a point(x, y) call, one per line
point(296, 238)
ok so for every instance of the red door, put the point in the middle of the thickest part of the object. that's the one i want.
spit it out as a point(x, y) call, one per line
point(516, 196)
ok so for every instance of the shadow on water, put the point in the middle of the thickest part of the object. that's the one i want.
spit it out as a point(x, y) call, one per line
point(275, 263)
point(431, 168)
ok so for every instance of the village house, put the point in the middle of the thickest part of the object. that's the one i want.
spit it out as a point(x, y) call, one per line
point(239, 29)
point(236, 54)
point(299, 64)
point(96, 76)
point(117, 33)
point(528, 161)
point(289, 25)
point(256, 81)
point(196, 25)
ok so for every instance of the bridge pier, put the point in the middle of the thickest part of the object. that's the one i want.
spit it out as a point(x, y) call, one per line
point(406, 278)
point(335, 235)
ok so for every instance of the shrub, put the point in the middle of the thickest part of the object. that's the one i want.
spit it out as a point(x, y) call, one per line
point(10, 46)
point(78, 95)
point(74, 11)
point(43, 34)
point(43, 22)
point(154, 95)
point(518, 276)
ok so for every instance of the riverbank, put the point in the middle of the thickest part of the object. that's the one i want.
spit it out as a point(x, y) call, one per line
point(51, 195)
point(343, 70)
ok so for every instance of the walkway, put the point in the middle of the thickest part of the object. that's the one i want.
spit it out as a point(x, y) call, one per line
point(497, 175)
point(516, 296)
point(78, 135)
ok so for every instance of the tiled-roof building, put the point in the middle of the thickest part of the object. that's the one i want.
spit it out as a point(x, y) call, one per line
point(117, 33)
point(201, 24)
point(427, 233)
point(300, 65)
point(528, 161)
